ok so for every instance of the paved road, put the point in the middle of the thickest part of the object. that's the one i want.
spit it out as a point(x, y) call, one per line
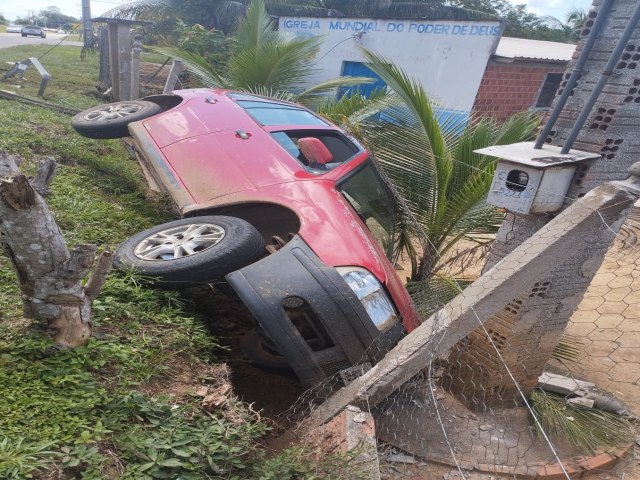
point(15, 39)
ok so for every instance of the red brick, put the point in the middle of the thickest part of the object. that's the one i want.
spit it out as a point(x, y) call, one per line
point(553, 472)
point(602, 461)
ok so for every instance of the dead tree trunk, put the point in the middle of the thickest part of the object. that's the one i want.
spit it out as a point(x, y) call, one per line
point(50, 276)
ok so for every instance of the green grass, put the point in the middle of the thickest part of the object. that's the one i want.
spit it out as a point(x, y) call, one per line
point(73, 81)
point(85, 410)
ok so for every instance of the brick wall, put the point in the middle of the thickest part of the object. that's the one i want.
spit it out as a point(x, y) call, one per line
point(509, 88)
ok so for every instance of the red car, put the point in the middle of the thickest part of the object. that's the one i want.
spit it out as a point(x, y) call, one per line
point(285, 206)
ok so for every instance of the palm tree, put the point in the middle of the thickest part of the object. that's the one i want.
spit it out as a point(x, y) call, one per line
point(429, 158)
point(219, 14)
point(265, 61)
point(575, 20)
point(222, 14)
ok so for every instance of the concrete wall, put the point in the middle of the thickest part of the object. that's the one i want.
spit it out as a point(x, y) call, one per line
point(612, 130)
point(448, 57)
point(507, 88)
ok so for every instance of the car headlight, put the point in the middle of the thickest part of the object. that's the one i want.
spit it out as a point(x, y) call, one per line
point(372, 296)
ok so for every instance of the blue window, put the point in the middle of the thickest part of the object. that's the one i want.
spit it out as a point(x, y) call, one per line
point(357, 69)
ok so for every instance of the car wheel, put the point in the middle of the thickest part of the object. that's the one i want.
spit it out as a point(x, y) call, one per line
point(44, 35)
point(191, 251)
point(111, 120)
point(24, 34)
point(261, 351)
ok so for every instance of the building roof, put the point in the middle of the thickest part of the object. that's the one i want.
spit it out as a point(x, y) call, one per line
point(522, 48)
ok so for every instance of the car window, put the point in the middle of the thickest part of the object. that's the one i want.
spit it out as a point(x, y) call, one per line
point(370, 197)
point(339, 148)
point(270, 114)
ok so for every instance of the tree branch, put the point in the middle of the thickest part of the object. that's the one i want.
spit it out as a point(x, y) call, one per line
point(44, 176)
point(99, 275)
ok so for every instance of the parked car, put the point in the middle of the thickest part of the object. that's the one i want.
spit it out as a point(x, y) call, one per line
point(293, 212)
point(33, 30)
point(14, 28)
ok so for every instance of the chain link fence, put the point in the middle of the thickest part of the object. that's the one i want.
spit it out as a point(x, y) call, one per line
point(504, 382)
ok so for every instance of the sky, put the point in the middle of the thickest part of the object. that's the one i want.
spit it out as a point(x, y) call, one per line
point(20, 8)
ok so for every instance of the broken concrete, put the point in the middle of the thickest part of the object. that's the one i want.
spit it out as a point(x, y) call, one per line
point(565, 244)
point(353, 431)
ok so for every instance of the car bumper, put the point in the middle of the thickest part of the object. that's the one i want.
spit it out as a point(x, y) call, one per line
point(310, 313)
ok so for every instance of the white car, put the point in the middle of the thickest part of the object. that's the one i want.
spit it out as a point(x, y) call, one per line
point(33, 30)
point(14, 28)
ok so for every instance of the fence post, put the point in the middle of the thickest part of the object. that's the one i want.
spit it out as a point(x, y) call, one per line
point(176, 69)
point(135, 66)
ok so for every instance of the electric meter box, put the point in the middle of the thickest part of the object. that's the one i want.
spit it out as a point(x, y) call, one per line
point(530, 180)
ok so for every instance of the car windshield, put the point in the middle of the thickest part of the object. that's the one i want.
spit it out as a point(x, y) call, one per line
point(270, 114)
point(376, 206)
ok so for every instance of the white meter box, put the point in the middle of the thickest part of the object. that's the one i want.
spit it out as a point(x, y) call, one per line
point(514, 187)
point(524, 189)
point(530, 180)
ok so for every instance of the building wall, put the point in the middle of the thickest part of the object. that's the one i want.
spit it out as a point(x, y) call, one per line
point(613, 126)
point(448, 57)
point(507, 88)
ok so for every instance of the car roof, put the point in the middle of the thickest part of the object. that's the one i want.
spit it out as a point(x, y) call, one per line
point(212, 132)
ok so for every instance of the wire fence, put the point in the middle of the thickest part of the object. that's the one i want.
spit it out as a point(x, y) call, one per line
point(529, 389)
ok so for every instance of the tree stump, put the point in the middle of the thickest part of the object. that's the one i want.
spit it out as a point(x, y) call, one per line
point(50, 277)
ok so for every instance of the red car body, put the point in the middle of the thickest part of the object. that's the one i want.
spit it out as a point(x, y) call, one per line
point(214, 154)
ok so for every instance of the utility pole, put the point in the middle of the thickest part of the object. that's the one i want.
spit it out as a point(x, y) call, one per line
point(86, 23)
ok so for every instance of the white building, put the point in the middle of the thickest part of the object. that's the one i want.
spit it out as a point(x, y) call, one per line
point(448, 56)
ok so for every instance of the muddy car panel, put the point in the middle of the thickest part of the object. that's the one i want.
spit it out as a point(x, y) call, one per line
point(213, 155)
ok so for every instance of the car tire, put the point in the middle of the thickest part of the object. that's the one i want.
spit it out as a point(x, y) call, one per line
point(24, 34)
point(191, 251)
point(261, 351)
point(112, 119)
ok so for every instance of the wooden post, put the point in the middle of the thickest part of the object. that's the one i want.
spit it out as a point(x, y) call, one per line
point(114, 60)
point(135, 67)
point(105, 75)
point(176, 69)
point(124, 55)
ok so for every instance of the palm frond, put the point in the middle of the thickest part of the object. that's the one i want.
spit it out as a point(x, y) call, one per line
point(589, 429)
point(263, 91)
point(568, 349)
point(274, 65)
point(344, 110)
point(413, 96)
point(198, 65)
point(430, 295)
point(255, 27)
point(310, 96)
point(143, 10)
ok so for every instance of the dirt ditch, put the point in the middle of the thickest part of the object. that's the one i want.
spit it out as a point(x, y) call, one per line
point(270, 392)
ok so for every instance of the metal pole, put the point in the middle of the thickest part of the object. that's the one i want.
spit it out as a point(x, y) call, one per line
point(86, 23)
point(604, 77)
point(603, 13)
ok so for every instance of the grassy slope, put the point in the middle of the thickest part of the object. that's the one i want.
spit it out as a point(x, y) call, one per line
point(80, 413)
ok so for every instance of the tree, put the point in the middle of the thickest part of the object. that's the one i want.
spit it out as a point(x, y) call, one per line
point(3, 20)
point(52, 18)
point(430, 160)
point(519, 22)
point(264, 61)
point(572, 26)
point(50, 277)
point(219, 14)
